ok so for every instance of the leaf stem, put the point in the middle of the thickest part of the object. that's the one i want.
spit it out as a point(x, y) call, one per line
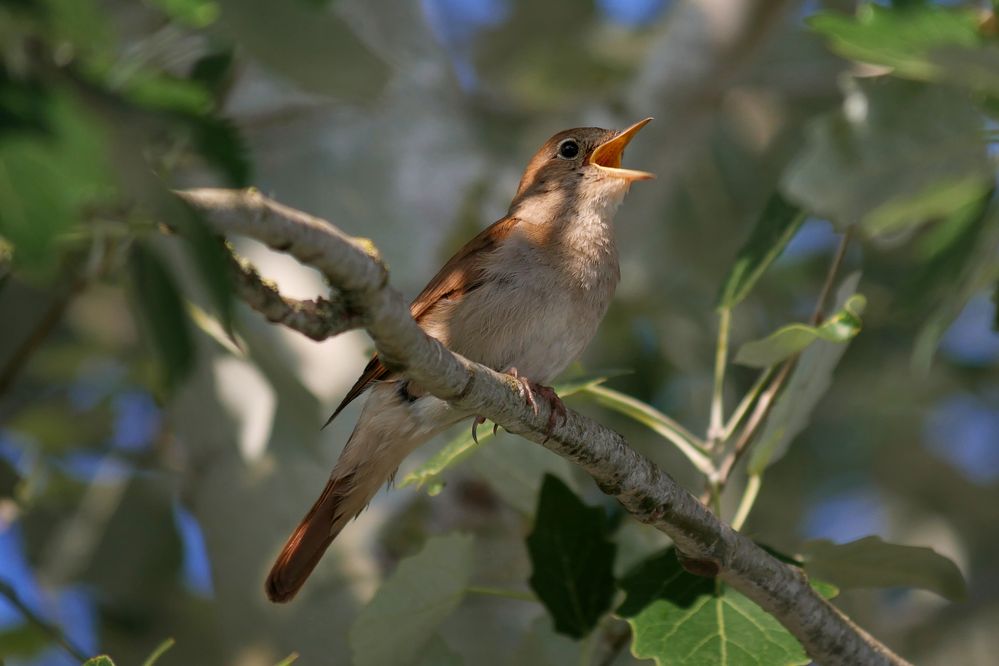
point(716, 427)
point(745, 404)
point(688, 443)
point(748, 500)
point(502, 592)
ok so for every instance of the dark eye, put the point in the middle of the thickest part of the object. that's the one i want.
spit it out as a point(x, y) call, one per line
point(568, 149)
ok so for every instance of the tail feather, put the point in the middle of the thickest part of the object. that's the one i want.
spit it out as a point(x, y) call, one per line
point(307, 544)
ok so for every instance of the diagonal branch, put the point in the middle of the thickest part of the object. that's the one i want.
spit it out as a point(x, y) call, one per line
point(645, 490)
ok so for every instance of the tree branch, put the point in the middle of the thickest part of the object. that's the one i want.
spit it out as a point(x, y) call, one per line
point(645, 490)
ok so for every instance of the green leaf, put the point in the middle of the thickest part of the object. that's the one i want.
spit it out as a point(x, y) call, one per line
point(208, 254)
point(159, 652)
point(100, 660)
point(541, 646)
point(312, 47)
point(463, 445)
point(439, 653)
point(47, 179)
point(901, 39)
point(794, 338)
point(195, 13)
point(963, 264)
point(289, 660)
point(413, 601)
point(679, 619)
point(888, 160)
point(652, 418)
point(214, 71)
point(871, 562)
point(572, 559)
point(775, 227)
point(162, 312)
point(810, 380)
point(25, 640)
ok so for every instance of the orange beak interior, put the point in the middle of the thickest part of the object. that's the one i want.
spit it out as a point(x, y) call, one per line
point(607, 155)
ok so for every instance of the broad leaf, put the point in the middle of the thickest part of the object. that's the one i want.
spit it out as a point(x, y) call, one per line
point(794, 338)
point(515, 469)
point(775, 227)
point(162, 312)
point(679, 619)
point(438, 653)
point(572, 559)
point(25, 640)
point(541, 646)
point(871, 562)
point(463, 445)
point(208, 254)
point(810, 380)
point(896, 155)
point(413, 601)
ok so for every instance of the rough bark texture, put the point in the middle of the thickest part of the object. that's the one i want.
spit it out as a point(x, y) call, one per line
point(355, 270)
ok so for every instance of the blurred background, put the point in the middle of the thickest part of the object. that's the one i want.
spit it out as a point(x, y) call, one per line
point(136, 505)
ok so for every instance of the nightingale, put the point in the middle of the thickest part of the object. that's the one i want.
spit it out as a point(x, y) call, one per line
point(523, 297)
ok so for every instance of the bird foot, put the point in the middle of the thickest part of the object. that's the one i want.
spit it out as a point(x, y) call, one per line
point(528, 391)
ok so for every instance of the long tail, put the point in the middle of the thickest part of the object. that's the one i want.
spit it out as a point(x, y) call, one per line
point(387, 431)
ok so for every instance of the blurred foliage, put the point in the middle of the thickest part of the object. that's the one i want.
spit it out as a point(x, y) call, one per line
point(149, 468)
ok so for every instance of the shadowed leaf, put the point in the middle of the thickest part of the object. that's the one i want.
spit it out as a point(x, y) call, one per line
point(571, 559)
point(871, 562)
point(413, 601)
point(774, 228)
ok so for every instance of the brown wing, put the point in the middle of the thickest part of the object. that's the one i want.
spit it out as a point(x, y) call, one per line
point(458, 276)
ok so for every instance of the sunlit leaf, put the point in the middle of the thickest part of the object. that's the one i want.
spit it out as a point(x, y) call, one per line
point(101, 660)
point(572, 559)
point(461, 446)
point(679, 619)
point(164, 321)
point(899, 38)
point(896, 155)
point(810, 380)
point(792, 339)
point(774, 228)
point(413, 601)
point(871, 562)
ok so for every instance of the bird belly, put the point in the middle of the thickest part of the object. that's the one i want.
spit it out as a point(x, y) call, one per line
point(511, 323)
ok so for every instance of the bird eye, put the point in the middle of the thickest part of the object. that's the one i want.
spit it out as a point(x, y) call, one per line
point(568, 149)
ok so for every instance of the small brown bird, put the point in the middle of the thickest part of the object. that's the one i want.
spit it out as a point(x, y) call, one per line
point(524, 297)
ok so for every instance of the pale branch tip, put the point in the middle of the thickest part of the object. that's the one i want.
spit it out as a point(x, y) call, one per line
point(643, 488)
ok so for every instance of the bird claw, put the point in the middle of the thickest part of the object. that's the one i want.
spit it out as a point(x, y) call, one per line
point(479, 420)
point(556, 408)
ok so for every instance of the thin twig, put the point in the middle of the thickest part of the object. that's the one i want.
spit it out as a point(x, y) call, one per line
point(716, 426)
point(768, 397)
point(53, 631)
point(49, 320)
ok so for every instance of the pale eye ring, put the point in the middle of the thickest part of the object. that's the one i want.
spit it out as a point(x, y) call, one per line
point(568, 149)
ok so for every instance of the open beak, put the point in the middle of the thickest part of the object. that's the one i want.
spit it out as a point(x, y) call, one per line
point(607, 156)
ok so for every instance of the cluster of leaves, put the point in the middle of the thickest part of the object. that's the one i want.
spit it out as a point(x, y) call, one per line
point(676, 617)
